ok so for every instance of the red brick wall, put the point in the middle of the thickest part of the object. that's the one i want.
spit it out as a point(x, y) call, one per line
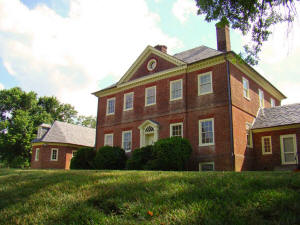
point(44, 162)
point(270, 161)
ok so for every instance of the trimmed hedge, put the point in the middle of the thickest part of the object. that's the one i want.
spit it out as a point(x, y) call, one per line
point(140, 158)
point(83, 159)
point(110, 158)
point(170, 154)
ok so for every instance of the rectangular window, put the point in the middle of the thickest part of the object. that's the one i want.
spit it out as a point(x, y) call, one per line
point(205, 83)
point(74, 153)
point(150, 96)
point(109, 139)
point(261, 98)
point(246, 88)
point(54, 154)
point(126, 140)
point(206, 132)
point(110, 109)
point(272, 102)
point(37, 154)
point(176, 130)
point(266, 145)
point(176, 89)
point(288, 146)
point(249, 135)
point(128, 101)
point(207, 166)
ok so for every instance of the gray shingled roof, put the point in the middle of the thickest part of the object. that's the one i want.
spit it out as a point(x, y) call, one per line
point(61, 132)
point(278, 116)
point(197, 54)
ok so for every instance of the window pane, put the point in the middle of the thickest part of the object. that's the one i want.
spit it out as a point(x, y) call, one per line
point(127, 141)
point(207, 167)
point(207, 135)
point(288, 144)
point(176, 89)
point(129, 101)
point(150, 98)
point(205, 84)
point(289, 157)
point(177, 130)
point(111, 106)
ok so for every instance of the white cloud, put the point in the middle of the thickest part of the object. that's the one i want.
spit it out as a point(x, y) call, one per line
point(67, 57)
point(182, 9)
point(1, 86)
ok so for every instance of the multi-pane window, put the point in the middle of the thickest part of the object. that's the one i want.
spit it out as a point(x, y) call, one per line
point(176, 89)
point(204, 83)
point(37, 154)
point(261, 98)
point(246, 88)
point(126, 140)
point(74, 153)
point(150, 95)
point(272, 102)
point(248, 135)
point(54, 154)
point(110, 106)
point(206, 132)
point(109, 139)
point(266, 145)
point(207, 166)
point(128, 101)
point(176, 129)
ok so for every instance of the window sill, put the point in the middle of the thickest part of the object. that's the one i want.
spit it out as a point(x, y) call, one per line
point(267, 153)
point(247, 98)
point(175, 99)
point(125, 110)
point(150, 104)
point(209, 144)
point(207, 93)
point(111, 114)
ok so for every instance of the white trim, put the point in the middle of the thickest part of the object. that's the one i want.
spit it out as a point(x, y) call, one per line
point(73, 151)
point(147, 96)
point(263, 145)
point(261, 101)
point(124, 101)
point(248, 127)
point(174, 81)
point(112, 139)
point(211, 83)
point(200, 133)
point(176, 124)
point(207, 163)
point(149, 62)
point(282, 149)
point(51, 158)
point(272, 102)
point(37, 154)
point(123, 133)
point(114, 98)
point(248, 88)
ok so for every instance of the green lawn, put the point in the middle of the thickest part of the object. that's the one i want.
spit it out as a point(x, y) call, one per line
point(128, 197)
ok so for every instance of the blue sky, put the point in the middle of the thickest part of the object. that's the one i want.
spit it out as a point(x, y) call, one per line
point(70, 48)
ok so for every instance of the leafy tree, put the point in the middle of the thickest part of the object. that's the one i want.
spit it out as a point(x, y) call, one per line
point(255, 16)
point(87, 121)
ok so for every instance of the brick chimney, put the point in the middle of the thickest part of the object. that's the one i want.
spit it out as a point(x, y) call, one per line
point(223, 38)
point(161, 48)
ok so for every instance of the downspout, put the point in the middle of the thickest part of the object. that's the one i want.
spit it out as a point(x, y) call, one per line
point(230, 113)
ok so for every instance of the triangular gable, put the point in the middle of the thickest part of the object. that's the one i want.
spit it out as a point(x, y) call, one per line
point(139, 67)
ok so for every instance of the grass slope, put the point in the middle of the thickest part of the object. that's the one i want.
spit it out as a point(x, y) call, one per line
point(130, 197)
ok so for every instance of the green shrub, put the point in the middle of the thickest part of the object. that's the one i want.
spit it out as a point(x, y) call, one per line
point(18, 162)
point(83, 159)
point(110, 158)
point(140, 158)
point(170, 154)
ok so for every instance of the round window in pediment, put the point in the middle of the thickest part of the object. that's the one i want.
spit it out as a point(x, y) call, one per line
point(151, 64)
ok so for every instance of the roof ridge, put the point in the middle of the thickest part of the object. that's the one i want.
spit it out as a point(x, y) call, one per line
point(71, 124)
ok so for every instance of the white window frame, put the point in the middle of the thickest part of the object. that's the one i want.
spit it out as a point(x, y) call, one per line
point(73, 151)
point(37, 154)
point(123, 133)
point(261, 101)
point(146, 95)
point(272, 102)
point(200, 132)
point(248, 127)
point(247, 90)
point(207, 163)
point(281, 147)
point(176, 124)
point(174, 81)
point(107, 103)
point(105, 140)
point(263, 145)
point(211, 83)
point(125, 96)
point(51, 158)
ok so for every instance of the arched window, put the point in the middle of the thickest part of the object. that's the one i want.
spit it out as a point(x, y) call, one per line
point(149, 130)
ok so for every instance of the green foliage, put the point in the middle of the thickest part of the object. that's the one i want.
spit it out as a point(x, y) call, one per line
point(140, 158)
point(253, 16)
point(87, 121)
point(111, 158)
point(83, 159)
point(170, 154)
